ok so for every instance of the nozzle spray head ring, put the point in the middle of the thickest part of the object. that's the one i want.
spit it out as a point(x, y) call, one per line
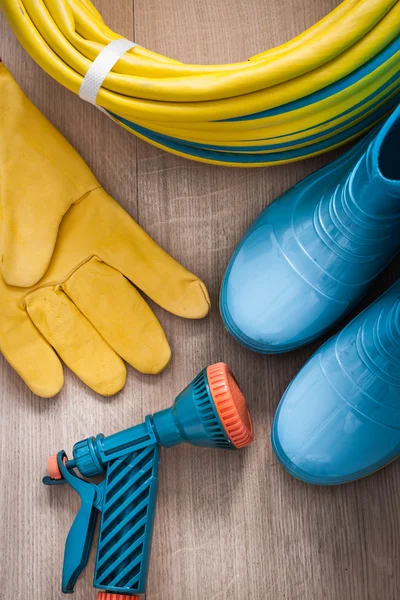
point(230, 405)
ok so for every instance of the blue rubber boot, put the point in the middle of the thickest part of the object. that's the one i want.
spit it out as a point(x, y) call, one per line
point(311, 255)
point(339, 419)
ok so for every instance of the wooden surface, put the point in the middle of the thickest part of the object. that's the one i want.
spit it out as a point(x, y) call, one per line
point(228, 526)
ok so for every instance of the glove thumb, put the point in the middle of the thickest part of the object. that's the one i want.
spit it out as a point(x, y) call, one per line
point(41, 175)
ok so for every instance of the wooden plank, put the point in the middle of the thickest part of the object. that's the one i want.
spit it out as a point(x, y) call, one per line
point(229, 525)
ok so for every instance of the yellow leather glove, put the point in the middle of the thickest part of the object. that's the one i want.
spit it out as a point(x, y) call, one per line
point(84, 308)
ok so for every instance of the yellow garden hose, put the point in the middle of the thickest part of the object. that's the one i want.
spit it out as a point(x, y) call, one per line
point(323, 88)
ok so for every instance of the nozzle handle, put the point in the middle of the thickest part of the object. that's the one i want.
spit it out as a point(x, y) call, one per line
point(127, 520)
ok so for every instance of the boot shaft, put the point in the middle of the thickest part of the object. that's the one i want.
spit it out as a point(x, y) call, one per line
point(361, 217)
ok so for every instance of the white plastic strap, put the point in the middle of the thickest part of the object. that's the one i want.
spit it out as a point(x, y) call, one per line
point(101, 67)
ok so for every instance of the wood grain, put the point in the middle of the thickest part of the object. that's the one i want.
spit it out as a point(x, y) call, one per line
point(228, 526)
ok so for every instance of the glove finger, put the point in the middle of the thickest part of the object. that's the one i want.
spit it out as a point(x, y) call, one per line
point(150, 268)
point(30, 355)
point(41, 176)
point(76, 341)
point(120, 315)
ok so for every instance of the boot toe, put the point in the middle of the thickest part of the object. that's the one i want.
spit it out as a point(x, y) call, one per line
point(320, 438)
point(265, 304)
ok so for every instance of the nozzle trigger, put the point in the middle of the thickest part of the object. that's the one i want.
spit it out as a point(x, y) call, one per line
point(80, 536)
point(79, 539)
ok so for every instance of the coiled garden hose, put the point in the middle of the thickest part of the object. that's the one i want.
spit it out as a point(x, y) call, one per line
point(325, 87)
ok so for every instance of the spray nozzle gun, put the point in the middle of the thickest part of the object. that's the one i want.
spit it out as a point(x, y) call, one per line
point(210, 412)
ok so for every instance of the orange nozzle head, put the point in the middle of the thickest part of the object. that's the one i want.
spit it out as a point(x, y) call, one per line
point(109, 596)
point(230, 404)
